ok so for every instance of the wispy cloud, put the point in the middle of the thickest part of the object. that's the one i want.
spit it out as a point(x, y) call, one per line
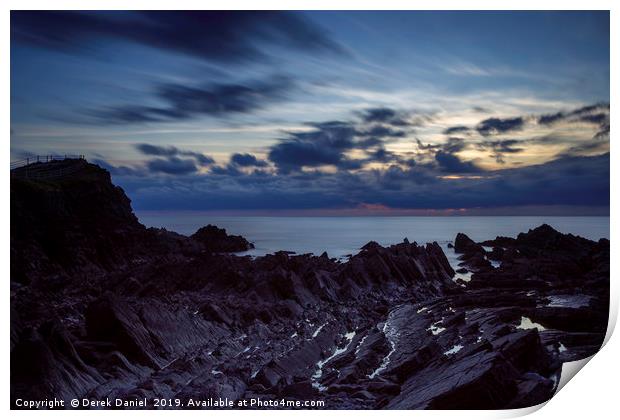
point(227, 36)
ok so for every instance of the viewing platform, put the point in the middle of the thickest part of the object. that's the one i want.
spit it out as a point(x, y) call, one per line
point(47, 167)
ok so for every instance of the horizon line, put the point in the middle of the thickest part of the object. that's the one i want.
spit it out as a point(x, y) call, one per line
point(514, 211)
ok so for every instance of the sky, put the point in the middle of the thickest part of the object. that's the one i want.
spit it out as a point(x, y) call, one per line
point(345, 112)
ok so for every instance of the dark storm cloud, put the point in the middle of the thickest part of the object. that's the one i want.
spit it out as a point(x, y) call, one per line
point(597, 114)
point(121, 170)
point(171, 151)
point(172, 166)
point(453, 145)
point(184, 102)
point(452, 164)
point(595, 118)
point(369, 142)
point(329, 142)
point(504, 146)
point(384, 131)
point(492, 126)
point(223, 98)
point(226, 36)
point(551, 118)
point(150, 149)
point(201, 158)
point(381, 155)
point(129, 114)
point(443, 156)
point(379, 115)
point(499, 148)
point(458, 129)
point(246, 159)
point(228, 170)
point(590, 109)
point(325, 145)
point(386, 116)
point(294, 154)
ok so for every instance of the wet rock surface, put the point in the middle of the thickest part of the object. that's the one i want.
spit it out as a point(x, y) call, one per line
point(103, 307)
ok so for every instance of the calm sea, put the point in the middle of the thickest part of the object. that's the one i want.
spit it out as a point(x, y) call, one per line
point(340, 236)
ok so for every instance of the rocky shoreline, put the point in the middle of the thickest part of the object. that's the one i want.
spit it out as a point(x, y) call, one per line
point(102, 307)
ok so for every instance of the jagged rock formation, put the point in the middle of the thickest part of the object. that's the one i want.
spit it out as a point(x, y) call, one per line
point(103, 307)
point(215, 239)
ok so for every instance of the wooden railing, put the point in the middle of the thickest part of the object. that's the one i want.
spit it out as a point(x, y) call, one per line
point(36, 167)
point(42, 159)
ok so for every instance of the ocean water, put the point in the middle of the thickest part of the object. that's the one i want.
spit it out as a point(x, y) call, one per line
point(340, 236)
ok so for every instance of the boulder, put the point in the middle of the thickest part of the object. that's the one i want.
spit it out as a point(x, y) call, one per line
point(214, 239)
point(464, 245)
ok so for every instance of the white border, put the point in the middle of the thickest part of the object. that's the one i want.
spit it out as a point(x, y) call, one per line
point(313, 5)
point(593, 394)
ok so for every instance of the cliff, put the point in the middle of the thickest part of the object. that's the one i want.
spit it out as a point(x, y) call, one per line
point(80, 224)
point(70, 224)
